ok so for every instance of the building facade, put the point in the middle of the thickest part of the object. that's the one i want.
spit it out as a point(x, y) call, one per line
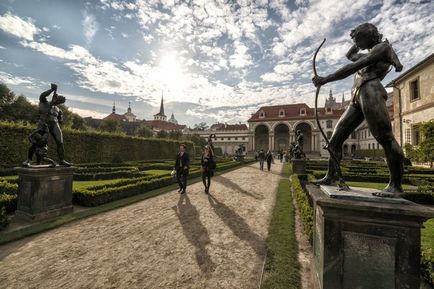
point(413, 100)
point(228, 136)
point(275, 127)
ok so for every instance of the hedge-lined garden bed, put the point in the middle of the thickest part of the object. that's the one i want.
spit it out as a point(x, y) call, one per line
point(127, 179)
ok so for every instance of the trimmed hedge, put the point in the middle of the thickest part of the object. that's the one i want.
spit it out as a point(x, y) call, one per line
point(98, 195)
point(86, 146)
point(304, 205)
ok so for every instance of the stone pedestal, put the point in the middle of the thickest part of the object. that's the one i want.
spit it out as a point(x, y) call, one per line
point(44, 192)
point(298, 166)
point(365, 242)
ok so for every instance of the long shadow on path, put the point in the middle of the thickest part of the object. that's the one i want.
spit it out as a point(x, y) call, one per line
point(195, 232)
point(237, 225)
point(234, 186)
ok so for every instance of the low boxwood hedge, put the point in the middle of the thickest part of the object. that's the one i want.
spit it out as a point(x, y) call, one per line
point(304, 205)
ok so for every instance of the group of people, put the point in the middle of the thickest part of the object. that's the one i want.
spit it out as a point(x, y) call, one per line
point(182, 166)
point(264, 157)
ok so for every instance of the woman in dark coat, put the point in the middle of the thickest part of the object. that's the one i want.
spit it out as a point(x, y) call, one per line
point(269, 159)
point(208, 166)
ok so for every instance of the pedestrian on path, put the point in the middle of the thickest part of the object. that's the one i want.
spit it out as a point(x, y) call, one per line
point(261, 157)
point(208, 166)
point(269, 159)
point(182, 165)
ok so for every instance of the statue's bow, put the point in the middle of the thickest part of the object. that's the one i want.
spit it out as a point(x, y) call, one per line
point(342, 184)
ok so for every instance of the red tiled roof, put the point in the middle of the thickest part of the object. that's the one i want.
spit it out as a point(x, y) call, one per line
point(226, 127)
point(292, 111)
point(116, 117)
point(163, 125)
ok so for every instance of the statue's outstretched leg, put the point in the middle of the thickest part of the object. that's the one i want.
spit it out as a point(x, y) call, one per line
point(377, 116)
point(56, 132)
point(348, 122)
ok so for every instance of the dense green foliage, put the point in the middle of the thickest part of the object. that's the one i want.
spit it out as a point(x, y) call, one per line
point(282, 269)
point(424, 151)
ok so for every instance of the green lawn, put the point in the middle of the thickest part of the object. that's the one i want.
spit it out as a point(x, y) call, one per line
point(282, 270)
point(378, 186)
point(428, 235)
point(157, 172)
point(84, 184)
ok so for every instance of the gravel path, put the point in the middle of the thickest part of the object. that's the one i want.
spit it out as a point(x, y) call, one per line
point(170, 241)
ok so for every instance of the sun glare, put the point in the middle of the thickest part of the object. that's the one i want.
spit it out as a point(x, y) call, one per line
point(171, 73)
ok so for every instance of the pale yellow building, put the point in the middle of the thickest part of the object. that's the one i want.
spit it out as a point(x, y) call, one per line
point(413, 100)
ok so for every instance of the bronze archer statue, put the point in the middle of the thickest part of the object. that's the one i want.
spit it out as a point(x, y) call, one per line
point(368, 103)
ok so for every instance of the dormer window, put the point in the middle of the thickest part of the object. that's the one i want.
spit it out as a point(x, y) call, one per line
point(328, 110)
point(281, 113)
point(303, 111)
point(261, 114)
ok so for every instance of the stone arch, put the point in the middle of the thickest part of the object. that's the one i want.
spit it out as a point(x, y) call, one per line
point(261, 137)
point(306, 129)
point(281, 136)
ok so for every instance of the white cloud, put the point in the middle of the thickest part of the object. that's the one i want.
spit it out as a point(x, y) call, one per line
point(19, 27)
point(90, 26)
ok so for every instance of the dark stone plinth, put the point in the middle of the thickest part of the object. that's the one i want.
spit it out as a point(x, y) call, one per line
point(44, 192)
point(298, 166)
point(365, 242)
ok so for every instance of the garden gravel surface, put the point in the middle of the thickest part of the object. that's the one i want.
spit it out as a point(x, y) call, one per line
point(189, 241)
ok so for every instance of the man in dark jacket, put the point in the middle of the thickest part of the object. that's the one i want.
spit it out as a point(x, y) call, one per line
point(182, 165)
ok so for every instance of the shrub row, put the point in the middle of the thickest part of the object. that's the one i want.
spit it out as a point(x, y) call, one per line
point(8, 201)
point(86, 146)
point(304, 206)
point(98, 195)
point(131, 173)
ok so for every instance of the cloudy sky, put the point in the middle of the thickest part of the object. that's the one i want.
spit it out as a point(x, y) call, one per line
point(212, 60)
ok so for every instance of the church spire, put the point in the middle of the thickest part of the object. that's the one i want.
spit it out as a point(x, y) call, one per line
point(114, 108)
point(331, 95)
point(129, 106)
point(343, 98)
point(162, 105)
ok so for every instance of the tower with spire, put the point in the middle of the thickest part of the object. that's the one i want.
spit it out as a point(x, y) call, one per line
point(172, 119)
point(114, 108)
point(131, 117)
point(161, 115)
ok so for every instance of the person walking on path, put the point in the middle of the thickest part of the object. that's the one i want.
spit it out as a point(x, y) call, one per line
point(281, 155)
point(269, 159)
point(261, 157)
point(182, 165)
point(208, 166)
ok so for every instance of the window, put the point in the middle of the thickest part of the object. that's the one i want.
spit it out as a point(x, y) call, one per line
point(236, 138)
point(244, 138)
point(408, 135)
point(378, 146)
point(329, 123)
point(281, 113)
point(328, 110)
point(369, 146)
point(222, 138)
point(261, 114)
point(353, 135)
point(229, 138)
point(329, 134)
point(303, 111)
point(416, 139)
point(414, 89)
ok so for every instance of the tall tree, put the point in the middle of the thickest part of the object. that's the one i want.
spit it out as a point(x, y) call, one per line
point(110, 125)
point(426, 146)
point(162, 134)
point(144, 131)
point(201, 126)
